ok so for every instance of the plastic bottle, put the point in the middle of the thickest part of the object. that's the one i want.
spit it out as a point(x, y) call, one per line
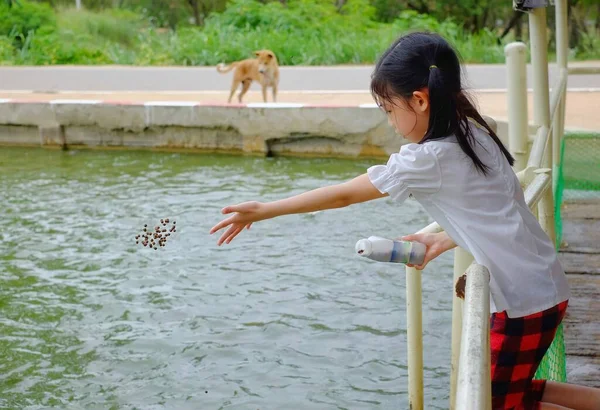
point(388, 250)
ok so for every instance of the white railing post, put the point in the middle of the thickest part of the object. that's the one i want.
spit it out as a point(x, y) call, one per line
point(462, 260)
point(518, 135)
point(414, 336)
point(474, 375)
point(414, 330)
point(541, 104)
point(562, 53)
point(539, 63)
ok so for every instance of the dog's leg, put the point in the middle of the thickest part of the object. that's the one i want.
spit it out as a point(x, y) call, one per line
point(274, 92)
point(264, 92)
point(234, 85)
point(245, 87)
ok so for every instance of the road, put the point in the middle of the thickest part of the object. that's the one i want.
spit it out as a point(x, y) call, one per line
point(194, 79)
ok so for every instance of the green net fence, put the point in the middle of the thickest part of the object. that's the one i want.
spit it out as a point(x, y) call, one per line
point(578, 178)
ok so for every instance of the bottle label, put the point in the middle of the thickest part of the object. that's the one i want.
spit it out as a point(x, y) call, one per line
point(401, 252)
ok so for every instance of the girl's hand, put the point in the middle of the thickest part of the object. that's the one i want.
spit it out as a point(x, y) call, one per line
point(244, 215)
point(437, 243)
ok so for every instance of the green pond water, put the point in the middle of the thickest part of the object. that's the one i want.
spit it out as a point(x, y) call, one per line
point(286, 317)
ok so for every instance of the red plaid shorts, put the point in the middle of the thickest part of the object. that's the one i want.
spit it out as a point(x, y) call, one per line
point(518, 346)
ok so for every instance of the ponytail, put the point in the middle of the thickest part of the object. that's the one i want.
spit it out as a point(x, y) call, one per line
point(449, 114)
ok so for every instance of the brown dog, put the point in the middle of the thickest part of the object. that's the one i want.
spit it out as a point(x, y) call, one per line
point(263, 69)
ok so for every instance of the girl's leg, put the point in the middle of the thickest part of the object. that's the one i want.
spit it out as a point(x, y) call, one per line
point(550, 406)
point(571, 396)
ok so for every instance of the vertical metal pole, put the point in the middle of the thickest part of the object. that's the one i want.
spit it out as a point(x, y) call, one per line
point(516, 64)
point(462, 260)
point(78, 4)
point(539, 62)
point(562, 53)
point(414, 330)
point(541, 105)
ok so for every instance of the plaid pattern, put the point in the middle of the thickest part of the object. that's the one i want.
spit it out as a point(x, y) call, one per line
point(518, 346)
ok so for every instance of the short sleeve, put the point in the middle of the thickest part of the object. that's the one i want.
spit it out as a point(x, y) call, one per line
point(415, 169)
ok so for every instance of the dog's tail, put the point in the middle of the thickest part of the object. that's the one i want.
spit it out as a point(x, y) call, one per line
point(222, 68)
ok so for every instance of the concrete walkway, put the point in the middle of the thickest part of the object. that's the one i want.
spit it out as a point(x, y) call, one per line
point(582, 106)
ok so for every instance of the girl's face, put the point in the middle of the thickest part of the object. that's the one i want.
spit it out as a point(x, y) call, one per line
point(409, 117)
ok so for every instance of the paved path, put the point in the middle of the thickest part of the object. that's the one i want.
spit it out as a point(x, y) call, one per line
point(127, 78)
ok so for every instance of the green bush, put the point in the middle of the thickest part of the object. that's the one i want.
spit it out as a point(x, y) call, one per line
point(6, 50)
point(61, 48)
point(24, 16)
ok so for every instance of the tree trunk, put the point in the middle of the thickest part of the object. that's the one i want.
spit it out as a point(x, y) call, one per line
point(519, 30)
point(573, 28)
point(484, 17)
point(420, 8)
point(515, 21)
point(196, 11)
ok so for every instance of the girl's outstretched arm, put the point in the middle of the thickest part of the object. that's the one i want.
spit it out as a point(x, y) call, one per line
point(359, 189)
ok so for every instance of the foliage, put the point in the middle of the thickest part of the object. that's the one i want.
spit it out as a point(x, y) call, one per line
point(307, 32)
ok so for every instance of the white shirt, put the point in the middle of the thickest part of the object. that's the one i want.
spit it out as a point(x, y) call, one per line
point(484, 214)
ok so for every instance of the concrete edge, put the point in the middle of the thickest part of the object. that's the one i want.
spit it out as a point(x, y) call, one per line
point(256, 128)
point(297, 129)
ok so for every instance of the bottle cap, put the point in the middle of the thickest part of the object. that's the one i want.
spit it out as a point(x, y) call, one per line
point(363, 247)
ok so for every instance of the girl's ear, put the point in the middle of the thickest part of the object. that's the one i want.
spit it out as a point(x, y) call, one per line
point(420, 101)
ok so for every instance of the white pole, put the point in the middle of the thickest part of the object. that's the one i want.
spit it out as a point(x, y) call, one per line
point(562, 52)
point(462, 260)
point(539, 62)
point(516, 63)
point(414, 330)
point(414, 336)
point(78, 4)
point(541, 105)
point(474, 382)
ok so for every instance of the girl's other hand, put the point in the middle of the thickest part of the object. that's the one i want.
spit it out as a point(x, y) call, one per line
point(437, 243)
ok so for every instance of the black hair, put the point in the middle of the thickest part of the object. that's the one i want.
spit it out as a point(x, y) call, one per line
point(426, 60)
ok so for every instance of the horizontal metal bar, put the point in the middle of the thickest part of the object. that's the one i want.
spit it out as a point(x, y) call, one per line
point(535, 190)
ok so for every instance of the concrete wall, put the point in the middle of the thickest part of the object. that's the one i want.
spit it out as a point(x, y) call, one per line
point(264, 129)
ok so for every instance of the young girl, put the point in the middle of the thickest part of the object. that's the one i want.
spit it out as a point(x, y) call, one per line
point(460, 172)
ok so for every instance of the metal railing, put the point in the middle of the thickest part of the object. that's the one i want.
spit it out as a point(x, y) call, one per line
point(470, 361)
point(474, 384)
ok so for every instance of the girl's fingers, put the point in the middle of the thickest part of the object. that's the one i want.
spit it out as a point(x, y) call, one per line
point(221, 225)
point(226, 234)
point(234, 234)
point(249, 225)
point(235, 208)
point(417, 237)
point(228, 209)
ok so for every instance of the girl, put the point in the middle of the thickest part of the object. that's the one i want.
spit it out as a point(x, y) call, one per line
point(460, 172)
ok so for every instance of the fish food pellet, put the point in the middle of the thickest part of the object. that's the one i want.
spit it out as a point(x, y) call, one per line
point(158, 236)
